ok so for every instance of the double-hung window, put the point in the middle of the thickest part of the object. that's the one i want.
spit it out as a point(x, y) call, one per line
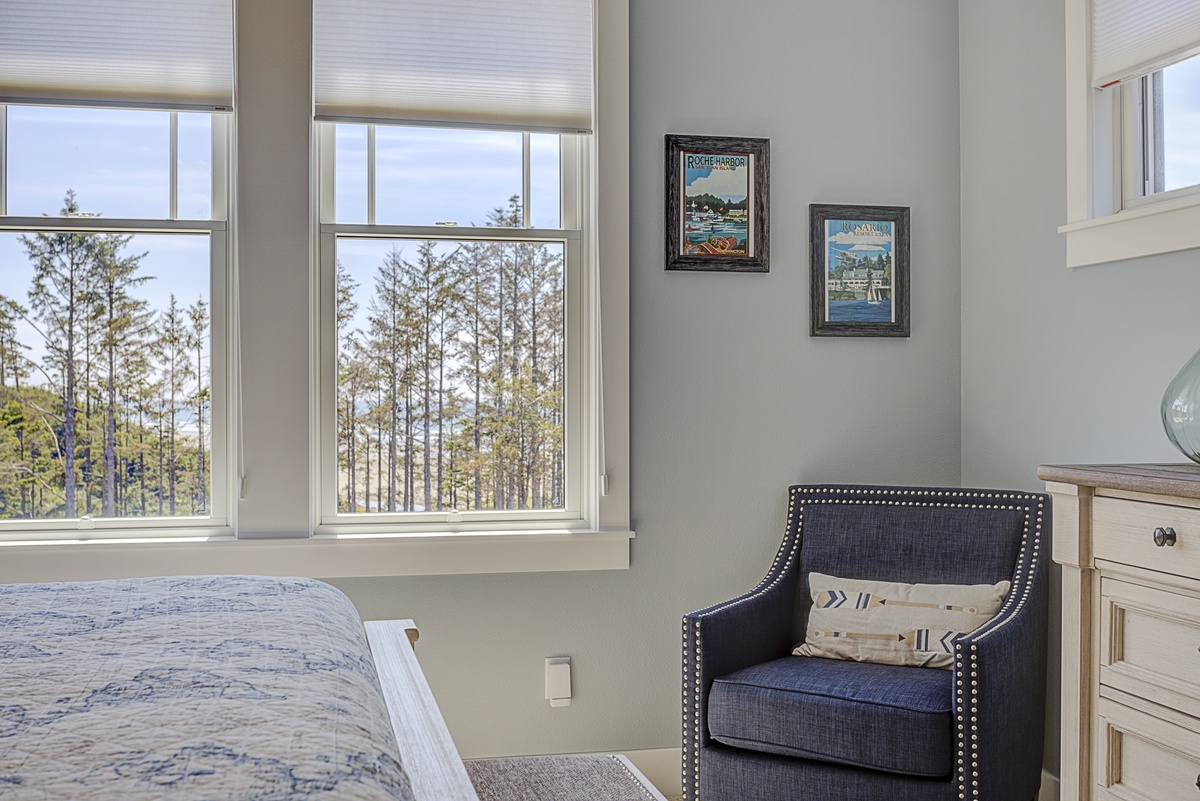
point(1133, 84)
point(459, 292)
point(113, 199)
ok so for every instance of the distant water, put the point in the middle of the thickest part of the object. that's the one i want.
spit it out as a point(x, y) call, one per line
point(721, 229)
point(859, 311)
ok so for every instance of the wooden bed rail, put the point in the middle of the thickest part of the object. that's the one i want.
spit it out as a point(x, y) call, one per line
point(426, 749)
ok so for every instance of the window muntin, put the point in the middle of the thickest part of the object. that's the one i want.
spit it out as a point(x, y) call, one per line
point(134, 306)
point(506, 301)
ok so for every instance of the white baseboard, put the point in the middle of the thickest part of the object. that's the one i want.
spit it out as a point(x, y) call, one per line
point(1049, 788)
point(663, 767)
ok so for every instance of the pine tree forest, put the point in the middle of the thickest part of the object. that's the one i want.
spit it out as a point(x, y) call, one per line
point(107, 413)
point(450, 378)
point(451, 363)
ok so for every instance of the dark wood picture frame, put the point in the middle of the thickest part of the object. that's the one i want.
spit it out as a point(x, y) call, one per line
point(869, 295)
point(715, 230)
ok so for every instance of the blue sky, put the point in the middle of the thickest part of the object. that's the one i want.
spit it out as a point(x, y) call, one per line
point(117, 161)
point(730, 185)
point(848, 236)
point(1181, 123)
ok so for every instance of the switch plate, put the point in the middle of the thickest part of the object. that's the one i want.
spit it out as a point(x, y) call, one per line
point(558, 680)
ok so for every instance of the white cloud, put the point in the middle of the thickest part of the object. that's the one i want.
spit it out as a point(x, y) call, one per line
point(721, 183)
point(870, 248)
point(847, 238)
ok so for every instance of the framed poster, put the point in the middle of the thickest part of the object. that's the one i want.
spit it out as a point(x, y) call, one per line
point(717, 217)
point(859, 271)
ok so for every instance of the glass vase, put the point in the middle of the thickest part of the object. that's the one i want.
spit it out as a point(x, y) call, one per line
point(1181, 409)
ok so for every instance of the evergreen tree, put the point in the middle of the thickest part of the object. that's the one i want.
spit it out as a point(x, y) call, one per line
point(63, 263)
point(122, 321)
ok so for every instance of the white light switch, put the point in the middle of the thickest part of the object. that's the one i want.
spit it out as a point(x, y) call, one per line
point(558, 680)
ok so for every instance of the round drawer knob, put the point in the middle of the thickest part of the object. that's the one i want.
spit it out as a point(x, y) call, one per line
point(1164, 536)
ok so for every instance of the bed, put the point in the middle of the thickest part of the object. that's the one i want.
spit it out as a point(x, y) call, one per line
point(213, 687)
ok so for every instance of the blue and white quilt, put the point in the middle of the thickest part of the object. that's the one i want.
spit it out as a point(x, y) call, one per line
point(218, 688)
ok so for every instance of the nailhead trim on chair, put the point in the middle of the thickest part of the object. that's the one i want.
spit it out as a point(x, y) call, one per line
point(790, 545)
point(1013, 605)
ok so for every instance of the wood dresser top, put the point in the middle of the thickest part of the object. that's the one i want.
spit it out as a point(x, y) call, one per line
point(1181, 479)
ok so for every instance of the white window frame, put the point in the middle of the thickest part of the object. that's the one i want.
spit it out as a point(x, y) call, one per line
point(1109, 216)
point(580, 430)
point(218, 522)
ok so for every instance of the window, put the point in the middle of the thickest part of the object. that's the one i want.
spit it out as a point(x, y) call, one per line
point(457, 353)
point(109, 389)
point(1133, 103)
point(113, 241)
point(1163, 155)
point(459, 294)
point(267, 202)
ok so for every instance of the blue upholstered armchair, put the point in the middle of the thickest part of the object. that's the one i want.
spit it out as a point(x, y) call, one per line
point(760, 724)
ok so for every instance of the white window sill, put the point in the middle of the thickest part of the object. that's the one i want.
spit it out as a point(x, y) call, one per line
point(1164, 227)
point(322, 556)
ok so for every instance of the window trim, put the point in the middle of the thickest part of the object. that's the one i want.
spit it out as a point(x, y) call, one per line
point(323, 556)
point(1101, 227)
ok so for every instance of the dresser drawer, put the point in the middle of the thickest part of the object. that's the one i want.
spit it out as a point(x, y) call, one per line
point(1150, 644)
point(1143, 758)
point(1123, 531)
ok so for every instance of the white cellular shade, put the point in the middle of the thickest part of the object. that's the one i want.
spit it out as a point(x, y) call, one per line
point(1135, 37)
point(150, 53)
point(513, 64)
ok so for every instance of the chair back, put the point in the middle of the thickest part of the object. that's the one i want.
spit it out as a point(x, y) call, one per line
point(907, 534)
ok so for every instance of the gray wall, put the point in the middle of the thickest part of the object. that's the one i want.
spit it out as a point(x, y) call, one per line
point(731, 399)
point(1059, 365)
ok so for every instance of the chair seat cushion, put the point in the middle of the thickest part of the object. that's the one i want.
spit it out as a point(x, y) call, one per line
point(885, 717)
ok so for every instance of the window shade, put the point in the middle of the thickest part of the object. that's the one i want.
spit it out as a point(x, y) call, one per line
point(172, 53)
point(1136, 37)
point(513, 64)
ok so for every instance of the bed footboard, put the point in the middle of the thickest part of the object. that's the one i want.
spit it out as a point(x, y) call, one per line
point(430, 758)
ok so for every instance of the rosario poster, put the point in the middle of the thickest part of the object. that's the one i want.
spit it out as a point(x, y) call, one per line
point(718, 214)
point(859, 266)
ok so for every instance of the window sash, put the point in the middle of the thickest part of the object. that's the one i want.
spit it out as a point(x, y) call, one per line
point(573, 514)
point(1141, 137)
point(218, 522)
point(582, 425)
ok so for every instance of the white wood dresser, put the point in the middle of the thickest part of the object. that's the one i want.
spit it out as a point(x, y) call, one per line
point(1128, 539)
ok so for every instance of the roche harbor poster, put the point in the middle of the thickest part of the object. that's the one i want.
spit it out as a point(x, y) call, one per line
point(717, 216)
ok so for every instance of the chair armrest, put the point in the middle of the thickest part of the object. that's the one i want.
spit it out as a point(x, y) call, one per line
point(1000, 688)
point(744, 631)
